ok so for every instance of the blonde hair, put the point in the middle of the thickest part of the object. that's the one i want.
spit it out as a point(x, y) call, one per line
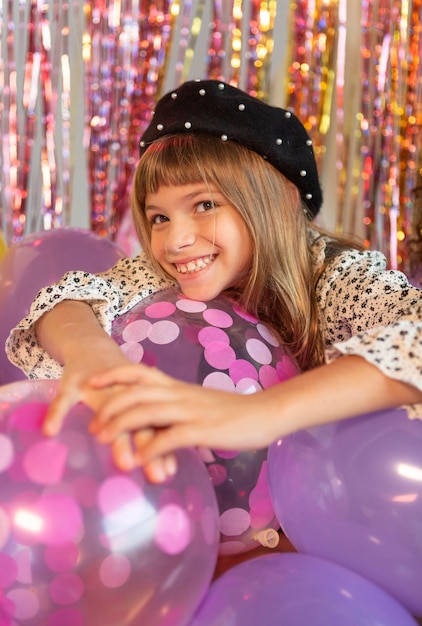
point(279, 286)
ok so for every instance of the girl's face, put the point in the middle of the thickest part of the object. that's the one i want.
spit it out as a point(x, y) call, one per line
point(199, 238)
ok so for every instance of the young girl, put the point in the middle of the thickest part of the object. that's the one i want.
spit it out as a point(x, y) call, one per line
point(223, 198)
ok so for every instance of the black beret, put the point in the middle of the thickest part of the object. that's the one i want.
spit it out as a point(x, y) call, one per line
point(214, 107)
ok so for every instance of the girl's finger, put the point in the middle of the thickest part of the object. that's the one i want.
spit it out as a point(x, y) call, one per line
point(56, 414)
point(122, 451)
point(127, 420)
point(128, 374)
point(161, 469)
point(164, 442)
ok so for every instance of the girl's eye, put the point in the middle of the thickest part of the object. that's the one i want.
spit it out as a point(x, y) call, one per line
point(159, 219)
point(207, 205)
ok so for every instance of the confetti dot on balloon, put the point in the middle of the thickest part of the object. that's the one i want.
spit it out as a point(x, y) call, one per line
point(163, 332)
point(218, 318)
point(28, 417)
point(194, 502)
point(6, 452)
point(258, 351)
point(226, 454)
point(247, 385)
point(26, 603)
point(234, 521)
point(136, 331)
point(160, 309)
point(245, 315)
point(190, 306)
point(133, 351)
point(218, 473)
point(219, 355)
point(268, 376)
point(286, 368)
point(266, 334)
point(118, 493)
point(173, 531)
point(210, 335)
point(260, 501)
point(218, 380)
point(45, 462)
point(66, 588)
point(261, 518)
point(8, 570)
point(61, 558)
point(115, 570)
point(124, 506)
point(240, 368)
point(61, 518)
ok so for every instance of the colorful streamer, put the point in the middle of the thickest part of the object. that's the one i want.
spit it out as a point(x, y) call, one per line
point(35, 106)
point(391, 121)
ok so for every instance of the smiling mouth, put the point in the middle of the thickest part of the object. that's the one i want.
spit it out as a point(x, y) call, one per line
point(195, 266)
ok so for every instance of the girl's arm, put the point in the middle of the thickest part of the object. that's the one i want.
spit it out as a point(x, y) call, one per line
point(190, 415)
point(71, 334)
point(109, 294)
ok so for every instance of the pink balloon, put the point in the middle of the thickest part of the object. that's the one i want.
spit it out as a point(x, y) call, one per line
point(351, 492)
point(39, 260)
point(87, 544)
point(216, 345)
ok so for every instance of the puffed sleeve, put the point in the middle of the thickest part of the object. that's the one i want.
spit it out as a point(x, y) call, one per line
point(374, 313)
point(110, 294)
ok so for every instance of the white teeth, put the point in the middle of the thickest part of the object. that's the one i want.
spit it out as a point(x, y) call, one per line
point(194, 266)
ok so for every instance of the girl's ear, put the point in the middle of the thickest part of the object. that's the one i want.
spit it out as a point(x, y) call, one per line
point(295, 193)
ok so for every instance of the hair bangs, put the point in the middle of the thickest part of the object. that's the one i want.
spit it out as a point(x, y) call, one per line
point(176, 160)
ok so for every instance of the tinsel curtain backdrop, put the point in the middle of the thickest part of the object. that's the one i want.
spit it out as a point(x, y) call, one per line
point(79, 78)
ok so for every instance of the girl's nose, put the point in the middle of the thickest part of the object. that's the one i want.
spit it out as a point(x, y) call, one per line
point(180, 236)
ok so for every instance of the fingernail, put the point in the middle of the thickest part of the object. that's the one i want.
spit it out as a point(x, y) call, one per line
point(126, 462)
point(170, 464)
point(155, 472)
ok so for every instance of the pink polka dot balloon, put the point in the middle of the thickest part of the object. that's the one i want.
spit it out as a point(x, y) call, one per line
point(83, 544)
point(216, 345)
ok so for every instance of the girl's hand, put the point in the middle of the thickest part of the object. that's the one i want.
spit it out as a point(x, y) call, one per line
point(74, 385)
point(175, 414)
point(72, 335)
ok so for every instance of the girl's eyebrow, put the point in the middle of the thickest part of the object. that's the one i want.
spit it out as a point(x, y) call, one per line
point(189, 196)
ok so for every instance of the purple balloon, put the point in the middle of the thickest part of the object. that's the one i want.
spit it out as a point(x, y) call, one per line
point(40, 260)
point(351, 492)
point(82, 543)
point(216, 345)
point(297, 590)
